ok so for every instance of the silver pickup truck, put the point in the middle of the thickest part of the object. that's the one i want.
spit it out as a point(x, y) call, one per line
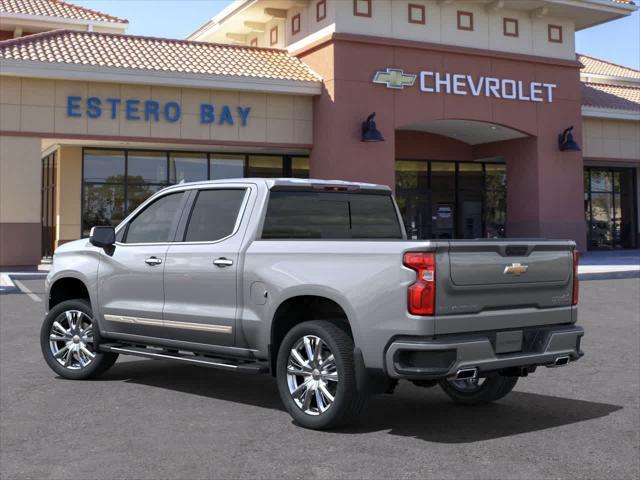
point(315, 283)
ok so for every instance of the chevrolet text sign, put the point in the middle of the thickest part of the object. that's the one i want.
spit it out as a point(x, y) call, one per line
point(464, 84)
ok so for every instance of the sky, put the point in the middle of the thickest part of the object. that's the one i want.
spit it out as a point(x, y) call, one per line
point(617, 42)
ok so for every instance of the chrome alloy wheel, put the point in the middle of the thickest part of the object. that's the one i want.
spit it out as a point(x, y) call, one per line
point(468, 385)
point(71, 339)
point(312, 375)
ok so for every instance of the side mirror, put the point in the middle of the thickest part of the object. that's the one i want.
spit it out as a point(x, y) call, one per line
point(103, 237)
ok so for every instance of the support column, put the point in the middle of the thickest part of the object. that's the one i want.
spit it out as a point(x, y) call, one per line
point(68, 194)
point(20, 228)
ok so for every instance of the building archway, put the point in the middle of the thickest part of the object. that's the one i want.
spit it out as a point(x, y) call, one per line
point(451, 177)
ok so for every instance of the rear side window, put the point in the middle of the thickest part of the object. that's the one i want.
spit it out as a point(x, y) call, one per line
point(155, 223)
point(214, 215)
point(328, 215)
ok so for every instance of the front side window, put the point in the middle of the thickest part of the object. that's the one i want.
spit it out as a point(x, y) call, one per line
point(214, 215)
point(155, 223)
point(328, 215)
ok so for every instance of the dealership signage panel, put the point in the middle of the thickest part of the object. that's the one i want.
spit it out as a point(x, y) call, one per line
point(465, 84)
point(152, 110)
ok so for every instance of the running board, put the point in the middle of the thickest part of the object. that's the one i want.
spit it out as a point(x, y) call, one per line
point(187, 357)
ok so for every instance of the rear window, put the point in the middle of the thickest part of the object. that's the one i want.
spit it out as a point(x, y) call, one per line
point(329, 215)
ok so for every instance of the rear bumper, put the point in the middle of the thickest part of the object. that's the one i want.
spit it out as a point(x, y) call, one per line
point(420, 358)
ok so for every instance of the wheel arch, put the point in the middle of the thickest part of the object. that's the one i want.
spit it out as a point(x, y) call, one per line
point(67, 288)
point(301, 308)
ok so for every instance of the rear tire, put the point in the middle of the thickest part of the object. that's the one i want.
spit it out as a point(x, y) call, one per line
point(316, 375)
point(68, 338)
point(489, 390)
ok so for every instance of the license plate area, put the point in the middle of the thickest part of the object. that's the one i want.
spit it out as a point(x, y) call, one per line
point(509, 342)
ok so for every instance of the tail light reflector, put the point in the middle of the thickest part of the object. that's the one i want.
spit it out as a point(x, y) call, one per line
point(422, 293)
point(576, 282)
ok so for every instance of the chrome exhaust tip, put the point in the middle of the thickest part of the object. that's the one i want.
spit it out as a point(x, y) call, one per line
point(562, 361)
point(467, 374)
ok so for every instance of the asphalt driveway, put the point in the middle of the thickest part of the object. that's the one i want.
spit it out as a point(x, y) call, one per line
point(156, 419)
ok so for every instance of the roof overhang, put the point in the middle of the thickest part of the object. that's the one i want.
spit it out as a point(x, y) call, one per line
point(589, 13)
point(43, 23)
point(610, 79)
point(610, 113)
point(65, 71)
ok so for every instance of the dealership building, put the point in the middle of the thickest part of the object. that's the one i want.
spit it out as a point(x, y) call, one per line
point(487, 122)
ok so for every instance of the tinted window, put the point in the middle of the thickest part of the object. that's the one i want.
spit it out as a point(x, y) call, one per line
point(330, 215)
point(154, 224)
point(214, 215)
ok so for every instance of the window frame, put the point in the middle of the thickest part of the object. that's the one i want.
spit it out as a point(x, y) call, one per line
point(141, 209)
point(551, 27)
point(321, 5)
point(183, 224)
point(273, 41)
point(462, 13)
point(296, 23)
point(369, 11)
point(420, 8)
point(513, 21)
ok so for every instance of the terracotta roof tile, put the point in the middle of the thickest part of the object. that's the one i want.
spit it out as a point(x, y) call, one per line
point(602, 67)
point(611, 96)
point(56, 8)
point(158, 54)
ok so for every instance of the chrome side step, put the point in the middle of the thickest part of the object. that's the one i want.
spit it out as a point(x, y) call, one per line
point(157, 353)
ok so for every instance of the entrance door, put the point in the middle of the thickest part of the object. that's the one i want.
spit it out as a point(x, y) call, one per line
point(443, 199)
point(47, 205)
point(610, 207)
point(201, 271)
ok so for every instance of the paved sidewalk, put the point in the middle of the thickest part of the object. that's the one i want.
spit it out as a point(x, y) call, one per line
point(609, 263)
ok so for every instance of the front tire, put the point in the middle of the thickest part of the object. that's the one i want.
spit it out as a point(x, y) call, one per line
point(316, 375)
point(478, 391)
point(68, 338)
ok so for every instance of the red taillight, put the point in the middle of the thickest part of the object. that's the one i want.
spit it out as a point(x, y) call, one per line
point(422, 294)
point(576, 283)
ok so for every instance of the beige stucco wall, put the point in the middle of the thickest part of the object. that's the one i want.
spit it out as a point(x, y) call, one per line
point(20, 171)
point(608, 138)
point(19, 200)
point(35, 105)
point(68, 193)
point(390, 19)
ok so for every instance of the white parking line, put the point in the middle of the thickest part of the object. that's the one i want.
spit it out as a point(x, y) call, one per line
point(24, 289)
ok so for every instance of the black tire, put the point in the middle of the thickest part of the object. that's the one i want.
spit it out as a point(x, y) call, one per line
point(100, 363)
point(493, 388)
point(347, 401)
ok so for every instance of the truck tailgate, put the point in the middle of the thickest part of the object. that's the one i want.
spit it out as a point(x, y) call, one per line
point(493, 285)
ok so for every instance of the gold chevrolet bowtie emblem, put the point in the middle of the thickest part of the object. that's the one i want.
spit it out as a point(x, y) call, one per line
point(394, 78)
point(516, 269)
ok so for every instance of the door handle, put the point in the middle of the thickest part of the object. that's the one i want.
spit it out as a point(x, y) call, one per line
point(153, 261)
point(222, 262)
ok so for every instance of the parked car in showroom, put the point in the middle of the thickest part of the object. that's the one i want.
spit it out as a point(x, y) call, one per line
point(315, 283)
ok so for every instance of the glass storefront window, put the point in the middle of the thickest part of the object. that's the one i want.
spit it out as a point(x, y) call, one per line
point(300, 167)
point(264, 166)
point(103, 166)
point(226, 166)
point(187, 167)
point(610, 207)
point(115, 182)
point(147, 167)
point(451, 199)
point(470, 193)
point(443, 199)
point(495, 210)
point(103, 204)
point(412, 195)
